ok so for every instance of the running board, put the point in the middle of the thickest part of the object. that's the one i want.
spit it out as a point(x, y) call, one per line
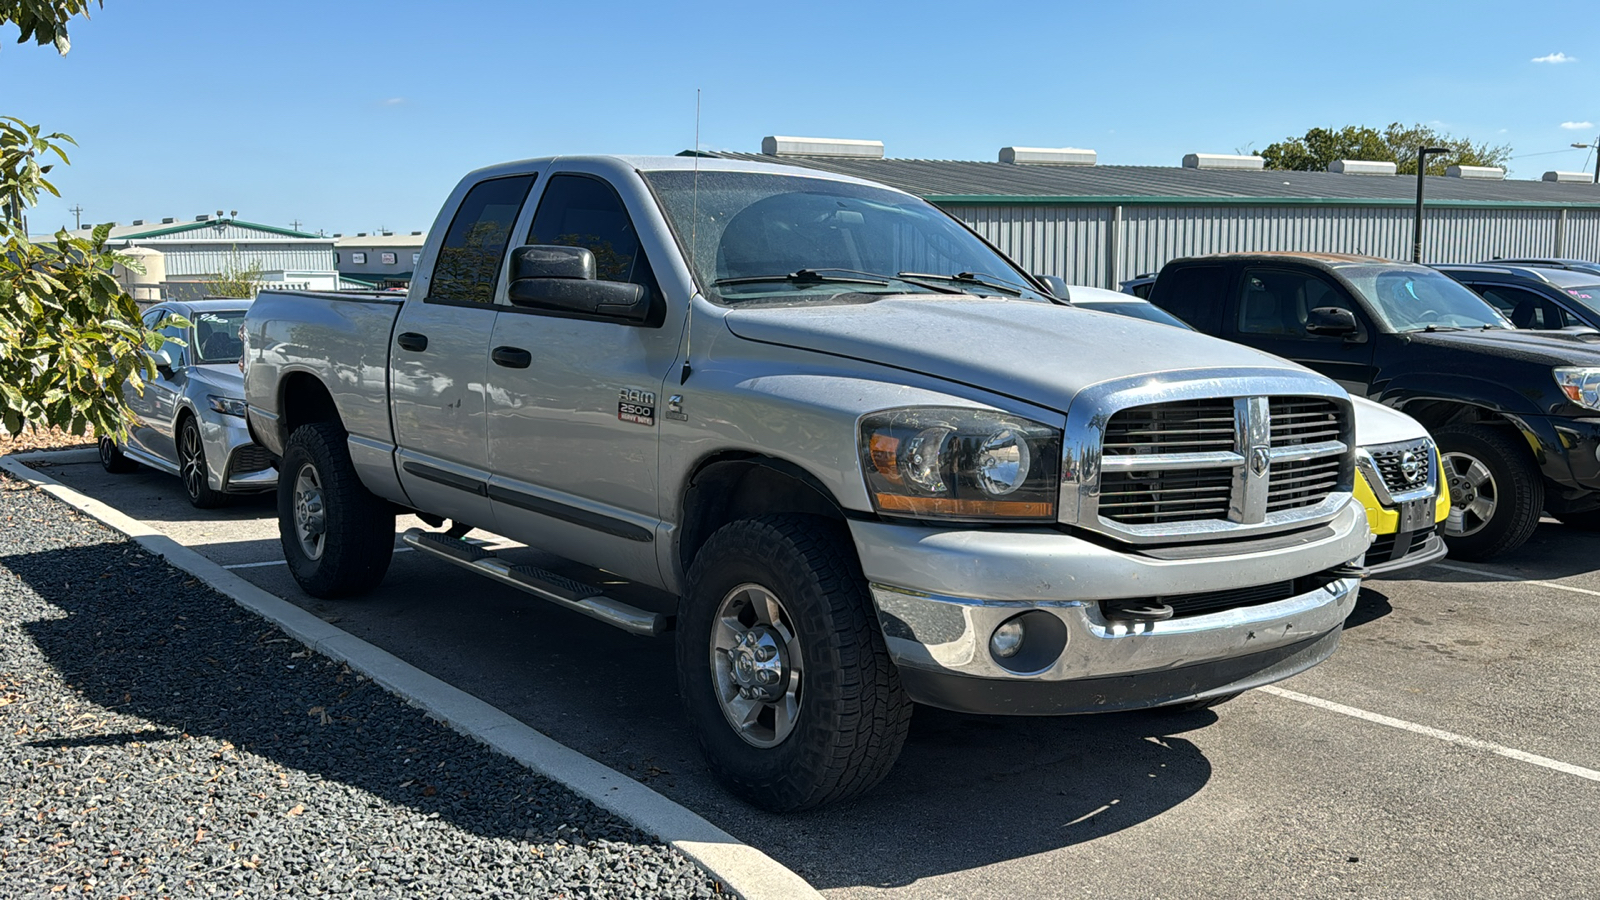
point(545, 585)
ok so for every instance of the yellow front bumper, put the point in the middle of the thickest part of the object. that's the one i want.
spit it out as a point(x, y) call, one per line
point(1383, 520)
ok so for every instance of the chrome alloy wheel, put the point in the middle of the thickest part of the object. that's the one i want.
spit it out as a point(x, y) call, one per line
point(192, 460)
point(310, 514)
point(756, 665)
point(1473, 494)
point(108, 452)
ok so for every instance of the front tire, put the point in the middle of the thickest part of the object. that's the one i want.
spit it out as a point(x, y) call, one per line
point(1496, 492)
point(782, 669)
point(112, 458)
point(192, 467)
point(337, 536)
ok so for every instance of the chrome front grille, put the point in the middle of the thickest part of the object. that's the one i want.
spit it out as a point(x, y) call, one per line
point(1192, 468)
point(1400, 471)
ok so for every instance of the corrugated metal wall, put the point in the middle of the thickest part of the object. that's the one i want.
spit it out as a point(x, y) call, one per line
point(206, 260)
point(1075, 242)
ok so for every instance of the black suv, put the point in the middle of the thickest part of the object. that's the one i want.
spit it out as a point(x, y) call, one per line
point(1535, 297)
point(1516, 414)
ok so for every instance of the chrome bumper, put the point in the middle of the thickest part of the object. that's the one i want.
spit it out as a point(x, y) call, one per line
point(940, 594)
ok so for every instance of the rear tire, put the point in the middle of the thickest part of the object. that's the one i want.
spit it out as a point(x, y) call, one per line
point(337, 536)
point(840, 716)
point(112, 459)
point(1496, 492)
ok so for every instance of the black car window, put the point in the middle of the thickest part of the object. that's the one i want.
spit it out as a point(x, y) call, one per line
point(1524, 308)
point(578, 211)
point(1278, 301)
point(469, 262)
point(1193, 294)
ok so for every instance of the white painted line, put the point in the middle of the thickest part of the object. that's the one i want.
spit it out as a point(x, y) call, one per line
point(742, 869)
point(1486, 574)
point(1436, 733)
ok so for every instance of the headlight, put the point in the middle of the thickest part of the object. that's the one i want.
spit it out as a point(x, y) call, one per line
point(961, 464)
point(228, 406)
point(1582, 385)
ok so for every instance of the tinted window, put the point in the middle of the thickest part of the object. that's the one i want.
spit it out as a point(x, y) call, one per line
point(469, 261)
point(1193, 294)
point(1277, 301)
point(216, 336)
point(577, 211)
point(1524, 308)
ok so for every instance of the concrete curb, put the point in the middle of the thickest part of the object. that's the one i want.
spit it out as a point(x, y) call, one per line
point(742, 869)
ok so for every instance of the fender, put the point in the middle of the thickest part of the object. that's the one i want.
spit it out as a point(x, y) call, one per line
point(1427, 396)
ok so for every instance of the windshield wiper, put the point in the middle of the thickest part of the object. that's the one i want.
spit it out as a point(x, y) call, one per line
point(810, 276)
point(977, 278)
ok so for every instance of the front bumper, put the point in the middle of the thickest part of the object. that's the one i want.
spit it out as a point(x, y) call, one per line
point(232, 456)
point(941, 593)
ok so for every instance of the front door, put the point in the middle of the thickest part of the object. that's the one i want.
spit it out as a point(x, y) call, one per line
point(1270, 312)
point(440, 353)
point(574, 418)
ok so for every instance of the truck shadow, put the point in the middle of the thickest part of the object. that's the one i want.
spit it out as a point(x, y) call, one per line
point(151, 642)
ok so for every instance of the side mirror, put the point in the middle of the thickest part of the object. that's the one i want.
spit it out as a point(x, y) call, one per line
point(1057, 285)
point(562, 279)
point(1331, 321)
point(162, 357)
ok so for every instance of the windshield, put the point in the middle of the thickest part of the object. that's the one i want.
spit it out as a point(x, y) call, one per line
point(760, 238)
point(1134, 310)
point(1588, 295)
point(1416, 299)
point(216, 336)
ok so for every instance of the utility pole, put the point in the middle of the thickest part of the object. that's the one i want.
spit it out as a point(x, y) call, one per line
point(1422, 169)
point(77, 216)
point(295, 224)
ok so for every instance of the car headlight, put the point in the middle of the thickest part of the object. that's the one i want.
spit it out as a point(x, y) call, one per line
point(1581, 384)
point(961, 464)
point(228, 406)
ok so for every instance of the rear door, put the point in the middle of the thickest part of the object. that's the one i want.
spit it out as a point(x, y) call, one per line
point(574, 422)
point(158, 408)
point(440, 351)
point(1525, 308)
point(1269, 311)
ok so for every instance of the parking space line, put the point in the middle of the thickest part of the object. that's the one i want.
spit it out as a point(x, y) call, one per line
point(1436, 733)
point(1497, 575)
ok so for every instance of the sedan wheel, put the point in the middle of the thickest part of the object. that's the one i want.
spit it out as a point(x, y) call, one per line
point(192, 467)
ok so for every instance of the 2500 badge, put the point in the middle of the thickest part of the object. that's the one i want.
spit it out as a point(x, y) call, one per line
point(636, 406)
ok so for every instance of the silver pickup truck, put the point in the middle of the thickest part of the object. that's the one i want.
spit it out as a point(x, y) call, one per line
point(874, 462)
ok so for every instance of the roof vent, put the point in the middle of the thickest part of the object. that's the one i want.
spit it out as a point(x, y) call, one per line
point(361, 234)
point(1222, 161)
point(1047, 156)
point(1569, 177)
point(137, 222)
point(168, 220)
point(388, 234)
point(416, 232)
point(202, 218)
point(778, 145)
point(1486, 173)
point(338, 234)
point(1362, 167)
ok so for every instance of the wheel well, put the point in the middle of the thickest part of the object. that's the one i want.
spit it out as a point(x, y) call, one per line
point(303, 400)
point(1439, 413)
point(732, 487)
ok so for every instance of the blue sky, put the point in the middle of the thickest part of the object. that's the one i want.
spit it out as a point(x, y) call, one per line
point(351, 116)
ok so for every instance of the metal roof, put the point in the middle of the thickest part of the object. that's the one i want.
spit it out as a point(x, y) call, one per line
point(150, 229)
point(958, 181)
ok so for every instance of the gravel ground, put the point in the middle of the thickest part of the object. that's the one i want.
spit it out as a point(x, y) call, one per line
point(157, 739)
point(30, 438)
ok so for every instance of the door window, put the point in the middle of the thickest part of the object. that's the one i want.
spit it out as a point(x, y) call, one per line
point(1278, 302)
point(578, 211)
point(1524, 308)
point(470, 258)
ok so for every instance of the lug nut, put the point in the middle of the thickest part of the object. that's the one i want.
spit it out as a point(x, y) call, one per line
point(764, 653)
point(766, 676)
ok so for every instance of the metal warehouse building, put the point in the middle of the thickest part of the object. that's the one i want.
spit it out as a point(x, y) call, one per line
point(1099, 225)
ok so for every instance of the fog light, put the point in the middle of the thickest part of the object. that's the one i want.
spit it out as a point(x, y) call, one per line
point(1007, 639)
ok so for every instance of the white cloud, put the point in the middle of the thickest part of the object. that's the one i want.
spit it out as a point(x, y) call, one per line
point(394, 101)
point(1577, 126)
point(1555, 58)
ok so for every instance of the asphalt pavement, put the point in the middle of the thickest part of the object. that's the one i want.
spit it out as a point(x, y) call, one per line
point(1456, 752)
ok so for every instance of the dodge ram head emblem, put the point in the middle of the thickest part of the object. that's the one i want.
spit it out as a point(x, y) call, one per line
point(1411, 464)
point(1260, 459)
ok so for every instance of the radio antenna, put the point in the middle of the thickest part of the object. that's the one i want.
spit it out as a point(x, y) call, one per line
point(694, 241)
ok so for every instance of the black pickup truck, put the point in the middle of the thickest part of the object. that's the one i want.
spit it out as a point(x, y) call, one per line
point(1516, 413)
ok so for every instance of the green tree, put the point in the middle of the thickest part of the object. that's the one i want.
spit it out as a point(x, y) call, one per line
point(237, 279)
point(1313, 151)
point(70, 336)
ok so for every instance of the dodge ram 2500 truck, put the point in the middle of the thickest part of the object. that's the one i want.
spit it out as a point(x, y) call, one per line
point(871, 459)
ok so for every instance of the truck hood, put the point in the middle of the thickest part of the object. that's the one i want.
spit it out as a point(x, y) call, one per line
point(1552, 348)
point(1037, 352)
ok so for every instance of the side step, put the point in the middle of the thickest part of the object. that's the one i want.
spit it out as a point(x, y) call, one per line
point(573, 595)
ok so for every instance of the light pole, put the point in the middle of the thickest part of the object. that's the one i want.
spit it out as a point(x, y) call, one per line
point(1596, 147)
point(1422, 168)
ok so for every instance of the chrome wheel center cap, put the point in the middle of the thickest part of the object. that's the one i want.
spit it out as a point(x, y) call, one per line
point(758, 664)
